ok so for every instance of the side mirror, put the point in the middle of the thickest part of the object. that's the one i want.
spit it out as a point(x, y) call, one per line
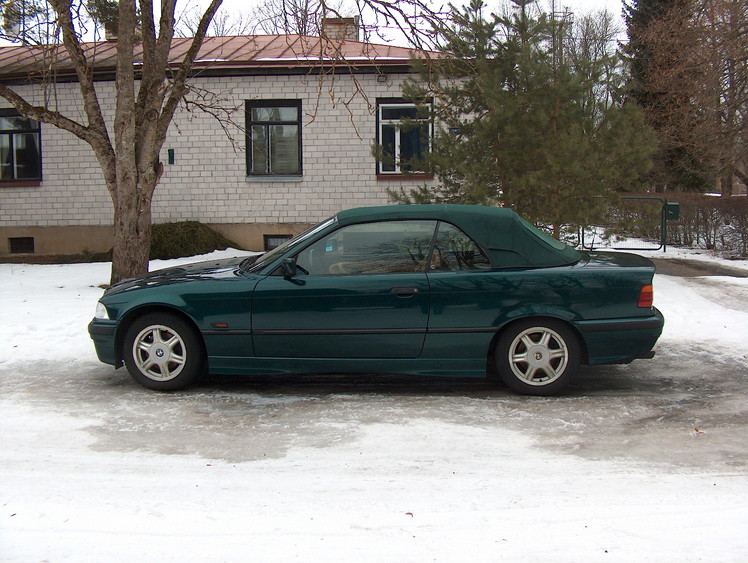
point(288, 267)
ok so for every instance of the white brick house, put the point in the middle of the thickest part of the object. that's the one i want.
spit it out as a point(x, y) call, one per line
point(314, 119)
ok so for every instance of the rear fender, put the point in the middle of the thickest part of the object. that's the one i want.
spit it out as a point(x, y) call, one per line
point(534, 311)
point(539, 312)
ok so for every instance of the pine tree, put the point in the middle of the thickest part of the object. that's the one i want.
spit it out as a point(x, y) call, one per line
point(523, 125)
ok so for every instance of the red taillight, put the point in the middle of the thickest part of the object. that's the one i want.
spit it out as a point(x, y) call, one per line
point(646, 296)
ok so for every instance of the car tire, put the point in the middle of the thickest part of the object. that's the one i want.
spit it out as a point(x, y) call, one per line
point(537, 356)
point(163, 352)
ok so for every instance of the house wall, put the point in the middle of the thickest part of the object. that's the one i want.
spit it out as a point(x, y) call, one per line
point(71, 210)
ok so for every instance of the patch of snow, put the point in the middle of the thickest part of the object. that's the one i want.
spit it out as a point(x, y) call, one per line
point(409, 490)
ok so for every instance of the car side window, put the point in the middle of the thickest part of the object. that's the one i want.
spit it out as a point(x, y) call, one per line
point(455, 251)
point(383, 247)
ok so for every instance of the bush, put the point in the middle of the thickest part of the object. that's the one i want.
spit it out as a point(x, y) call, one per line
point(186, 238)
point(714, 223)
point(719, 224)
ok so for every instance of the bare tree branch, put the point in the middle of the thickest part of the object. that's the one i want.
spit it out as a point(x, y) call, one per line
point(698, 71)
point(178, 88)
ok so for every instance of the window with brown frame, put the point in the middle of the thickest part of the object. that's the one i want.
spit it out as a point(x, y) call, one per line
point(20, 147)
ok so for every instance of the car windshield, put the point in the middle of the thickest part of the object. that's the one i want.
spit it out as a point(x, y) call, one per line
point(256, 263)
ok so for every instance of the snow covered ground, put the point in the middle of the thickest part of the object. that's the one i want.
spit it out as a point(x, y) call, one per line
point(642, 463)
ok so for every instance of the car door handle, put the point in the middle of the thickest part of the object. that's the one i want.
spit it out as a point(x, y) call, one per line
point(404, 291)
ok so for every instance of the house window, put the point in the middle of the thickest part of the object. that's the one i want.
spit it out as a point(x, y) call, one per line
point(21, 245)
point(274, 241)
point(20, 150)
point(274, 138)
point(403, 136)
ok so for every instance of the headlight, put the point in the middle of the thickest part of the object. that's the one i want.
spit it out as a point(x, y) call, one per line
point(101, 312)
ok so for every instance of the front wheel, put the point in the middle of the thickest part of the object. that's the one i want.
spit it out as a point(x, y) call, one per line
point(537, 356)
point(163, 352)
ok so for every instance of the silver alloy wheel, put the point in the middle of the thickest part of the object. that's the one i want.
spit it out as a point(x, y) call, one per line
point(538, 355)
point(159, 353)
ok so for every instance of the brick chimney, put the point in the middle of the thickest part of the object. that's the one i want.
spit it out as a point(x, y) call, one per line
point(340, 28)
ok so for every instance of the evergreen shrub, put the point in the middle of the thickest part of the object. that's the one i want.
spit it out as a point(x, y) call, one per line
point(186, 238)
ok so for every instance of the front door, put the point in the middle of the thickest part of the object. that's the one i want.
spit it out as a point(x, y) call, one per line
point(359, 292)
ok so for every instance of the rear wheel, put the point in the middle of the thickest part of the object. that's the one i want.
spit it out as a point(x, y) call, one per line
point(163, 352)
point(537, 356)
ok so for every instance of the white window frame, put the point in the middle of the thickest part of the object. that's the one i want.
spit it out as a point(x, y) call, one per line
point(395, 123)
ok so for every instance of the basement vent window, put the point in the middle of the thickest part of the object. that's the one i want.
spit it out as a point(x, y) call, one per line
point(21, 245)
point(274, 241)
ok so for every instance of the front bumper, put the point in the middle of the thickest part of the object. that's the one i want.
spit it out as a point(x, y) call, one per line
point(104, 335)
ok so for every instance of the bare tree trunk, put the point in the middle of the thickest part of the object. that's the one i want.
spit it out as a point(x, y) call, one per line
point(130, 163)
point(725, 183)
point(132, 235)
point(145, 104)
point(699, 57)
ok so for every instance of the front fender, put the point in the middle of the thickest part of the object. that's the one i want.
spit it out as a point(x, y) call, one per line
point(208, 305)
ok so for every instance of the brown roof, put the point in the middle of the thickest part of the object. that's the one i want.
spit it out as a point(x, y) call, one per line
point(222, 54)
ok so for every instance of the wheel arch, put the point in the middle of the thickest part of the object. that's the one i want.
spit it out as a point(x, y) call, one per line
point(131, 316)
point(508, 323)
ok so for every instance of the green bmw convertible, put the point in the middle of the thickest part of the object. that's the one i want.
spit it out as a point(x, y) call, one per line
point(409, 289)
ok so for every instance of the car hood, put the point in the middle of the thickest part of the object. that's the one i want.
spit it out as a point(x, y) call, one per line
point(199, 271)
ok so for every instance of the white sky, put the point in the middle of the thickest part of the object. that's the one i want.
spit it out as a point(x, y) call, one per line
point(578, 6)
point(615, 7)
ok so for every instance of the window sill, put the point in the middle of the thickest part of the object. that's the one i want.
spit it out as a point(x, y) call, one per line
point(20, 183)
point(385, 177)
point(262, 179)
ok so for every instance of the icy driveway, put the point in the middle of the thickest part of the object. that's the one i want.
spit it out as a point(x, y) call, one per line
point(680, 410)
point(95, 468)
point(646, 462)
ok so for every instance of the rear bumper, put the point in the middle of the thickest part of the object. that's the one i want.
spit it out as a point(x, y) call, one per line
point(612, 341)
